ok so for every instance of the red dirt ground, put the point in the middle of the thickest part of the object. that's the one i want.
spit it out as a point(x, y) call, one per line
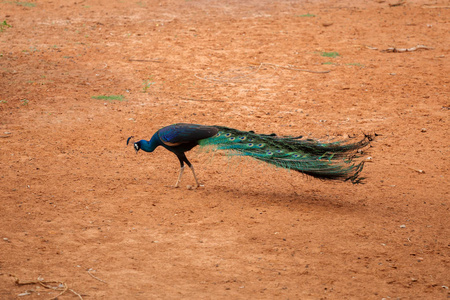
point(76, 202)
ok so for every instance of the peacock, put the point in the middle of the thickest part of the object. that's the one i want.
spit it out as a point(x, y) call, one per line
point(331, 160)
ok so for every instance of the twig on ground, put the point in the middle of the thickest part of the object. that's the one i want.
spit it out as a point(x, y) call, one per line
point(61, 286)
point(397, 50)
point(417, 170)
point(145, 60)
point(371, 48)
point(79, 296)
point(95, 277)
point(401, 2)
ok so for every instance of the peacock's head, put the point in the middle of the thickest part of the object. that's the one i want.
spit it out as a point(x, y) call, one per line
point(136, 145)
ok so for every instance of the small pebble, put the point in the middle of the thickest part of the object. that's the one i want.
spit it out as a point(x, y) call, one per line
point(423, 130)
point(402, 226)
point(189, 187)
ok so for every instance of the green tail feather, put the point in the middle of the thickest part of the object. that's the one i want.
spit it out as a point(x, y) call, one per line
point(333, 160)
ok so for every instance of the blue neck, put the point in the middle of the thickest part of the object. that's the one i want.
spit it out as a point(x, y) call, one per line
point(149, 146)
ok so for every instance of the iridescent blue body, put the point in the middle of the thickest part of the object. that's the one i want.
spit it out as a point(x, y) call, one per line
point(333, 160)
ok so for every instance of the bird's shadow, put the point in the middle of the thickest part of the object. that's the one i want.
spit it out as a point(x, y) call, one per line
point(290, 198)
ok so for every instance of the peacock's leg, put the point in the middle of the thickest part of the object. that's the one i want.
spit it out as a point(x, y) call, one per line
point(195, 177)
point(183, 159)
point(179, 176)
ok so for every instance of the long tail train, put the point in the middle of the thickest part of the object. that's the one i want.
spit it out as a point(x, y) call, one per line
point(334, 160)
